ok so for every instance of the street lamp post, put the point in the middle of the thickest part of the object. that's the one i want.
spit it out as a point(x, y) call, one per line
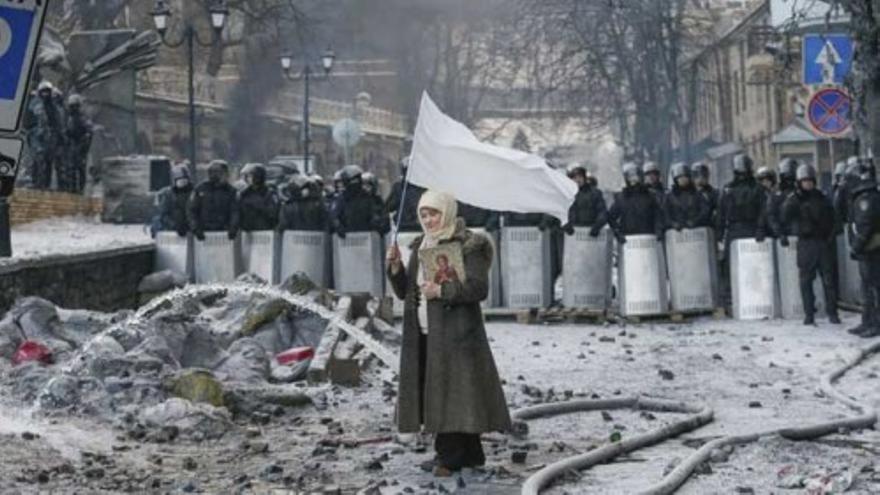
point(306, 75)
point(161, 15)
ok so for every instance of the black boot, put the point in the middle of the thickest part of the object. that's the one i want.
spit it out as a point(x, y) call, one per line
point(857, 330)
point(809, 320)
point(870, 333)
point(834, 319)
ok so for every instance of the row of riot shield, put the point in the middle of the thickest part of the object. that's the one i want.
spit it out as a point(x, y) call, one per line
point(355, 263)
point(850, 287)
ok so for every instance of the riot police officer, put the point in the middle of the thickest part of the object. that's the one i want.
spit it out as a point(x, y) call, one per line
point(700, 176)
point(476, 217)
point(356, 211)
point(409, 221)
point(767, 178)
point(46, 138)
point(635, 209)
point(304, 208)
point(652, 179)
point(172, 202)
point(865, 240)
point(814, 214)
point(79, 131)
point(776, 226)
point(741, 213)
point(684, 207)
point(213, 206)
point(588, 209)
point(257, 202)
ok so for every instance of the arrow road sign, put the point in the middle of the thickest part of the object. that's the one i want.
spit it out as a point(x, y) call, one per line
point(21, 22)
point(827, 58)
point(829, 111)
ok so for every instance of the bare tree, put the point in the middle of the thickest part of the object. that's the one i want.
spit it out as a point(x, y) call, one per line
point(620, 63)
point(864, 82)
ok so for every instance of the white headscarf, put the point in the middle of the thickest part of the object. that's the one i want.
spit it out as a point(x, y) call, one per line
point(448, 208)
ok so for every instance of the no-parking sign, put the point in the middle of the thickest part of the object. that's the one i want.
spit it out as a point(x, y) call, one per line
point(829, 111)
point(21, 23)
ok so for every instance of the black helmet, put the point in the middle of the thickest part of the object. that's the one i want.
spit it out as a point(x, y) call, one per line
point(766, 173)
point(179, 171)
point(700, 169)
point(743, 164)
point(371, 180)
point(576, 169)
point(650, 168)
point(788, 169)
point(218, 170)
point(351, 173)
point(258, 175)
point(592, 179)
point(681, 169)
point(805, 171)
point(860, 175)
point(631, 171)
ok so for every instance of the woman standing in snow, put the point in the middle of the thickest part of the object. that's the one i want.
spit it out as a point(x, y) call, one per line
point(449, 385)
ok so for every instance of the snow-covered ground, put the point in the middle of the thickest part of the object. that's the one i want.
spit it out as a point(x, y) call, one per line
point(755, 375)
point(72, 235)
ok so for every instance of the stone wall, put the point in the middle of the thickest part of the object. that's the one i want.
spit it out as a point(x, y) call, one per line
point(104, 281)
point(28, 205)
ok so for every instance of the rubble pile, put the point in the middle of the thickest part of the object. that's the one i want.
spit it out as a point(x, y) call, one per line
point(187, 363)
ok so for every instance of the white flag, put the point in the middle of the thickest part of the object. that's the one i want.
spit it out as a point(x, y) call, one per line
point(446, 156)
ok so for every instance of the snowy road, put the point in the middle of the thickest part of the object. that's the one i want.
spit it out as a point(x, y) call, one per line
point(754, 375)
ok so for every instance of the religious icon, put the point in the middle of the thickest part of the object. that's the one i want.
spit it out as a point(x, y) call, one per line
point(443, 263)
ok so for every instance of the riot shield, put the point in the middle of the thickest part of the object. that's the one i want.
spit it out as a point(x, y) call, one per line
point(791, 304)
point(848, 270)
point(358, 263)
point(642, 274)
point(259, 254)
point(306, 252)
point(586, 270)
point(525, 267)
point(693, 269)
point(753, 280)
point(216, 258)
point(173, 253)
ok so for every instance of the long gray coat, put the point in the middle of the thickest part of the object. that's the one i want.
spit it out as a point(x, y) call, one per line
point(462, 389)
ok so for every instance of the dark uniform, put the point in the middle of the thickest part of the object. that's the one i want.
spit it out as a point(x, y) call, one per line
point(814, 215)
point(213, 206)
point(777, 227)
point(635, 210)
point(356, 210)
point(172, 203)
point(257, 203)
point(865, 242)
point(304, 208)
point(47, 138)
point(409, 217)
point(476, 217)
point(741, 212)
point(684, 207)
point(589, 208)
point(700, 172)
point(79, 131)
point(653, 181)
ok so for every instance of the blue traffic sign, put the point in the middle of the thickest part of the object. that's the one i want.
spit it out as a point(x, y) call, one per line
point(829, 111)
point(827, 58)
point(21, 23)
point(15, 28)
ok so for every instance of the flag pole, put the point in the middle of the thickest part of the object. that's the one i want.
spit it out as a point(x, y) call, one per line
point(402, 199)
